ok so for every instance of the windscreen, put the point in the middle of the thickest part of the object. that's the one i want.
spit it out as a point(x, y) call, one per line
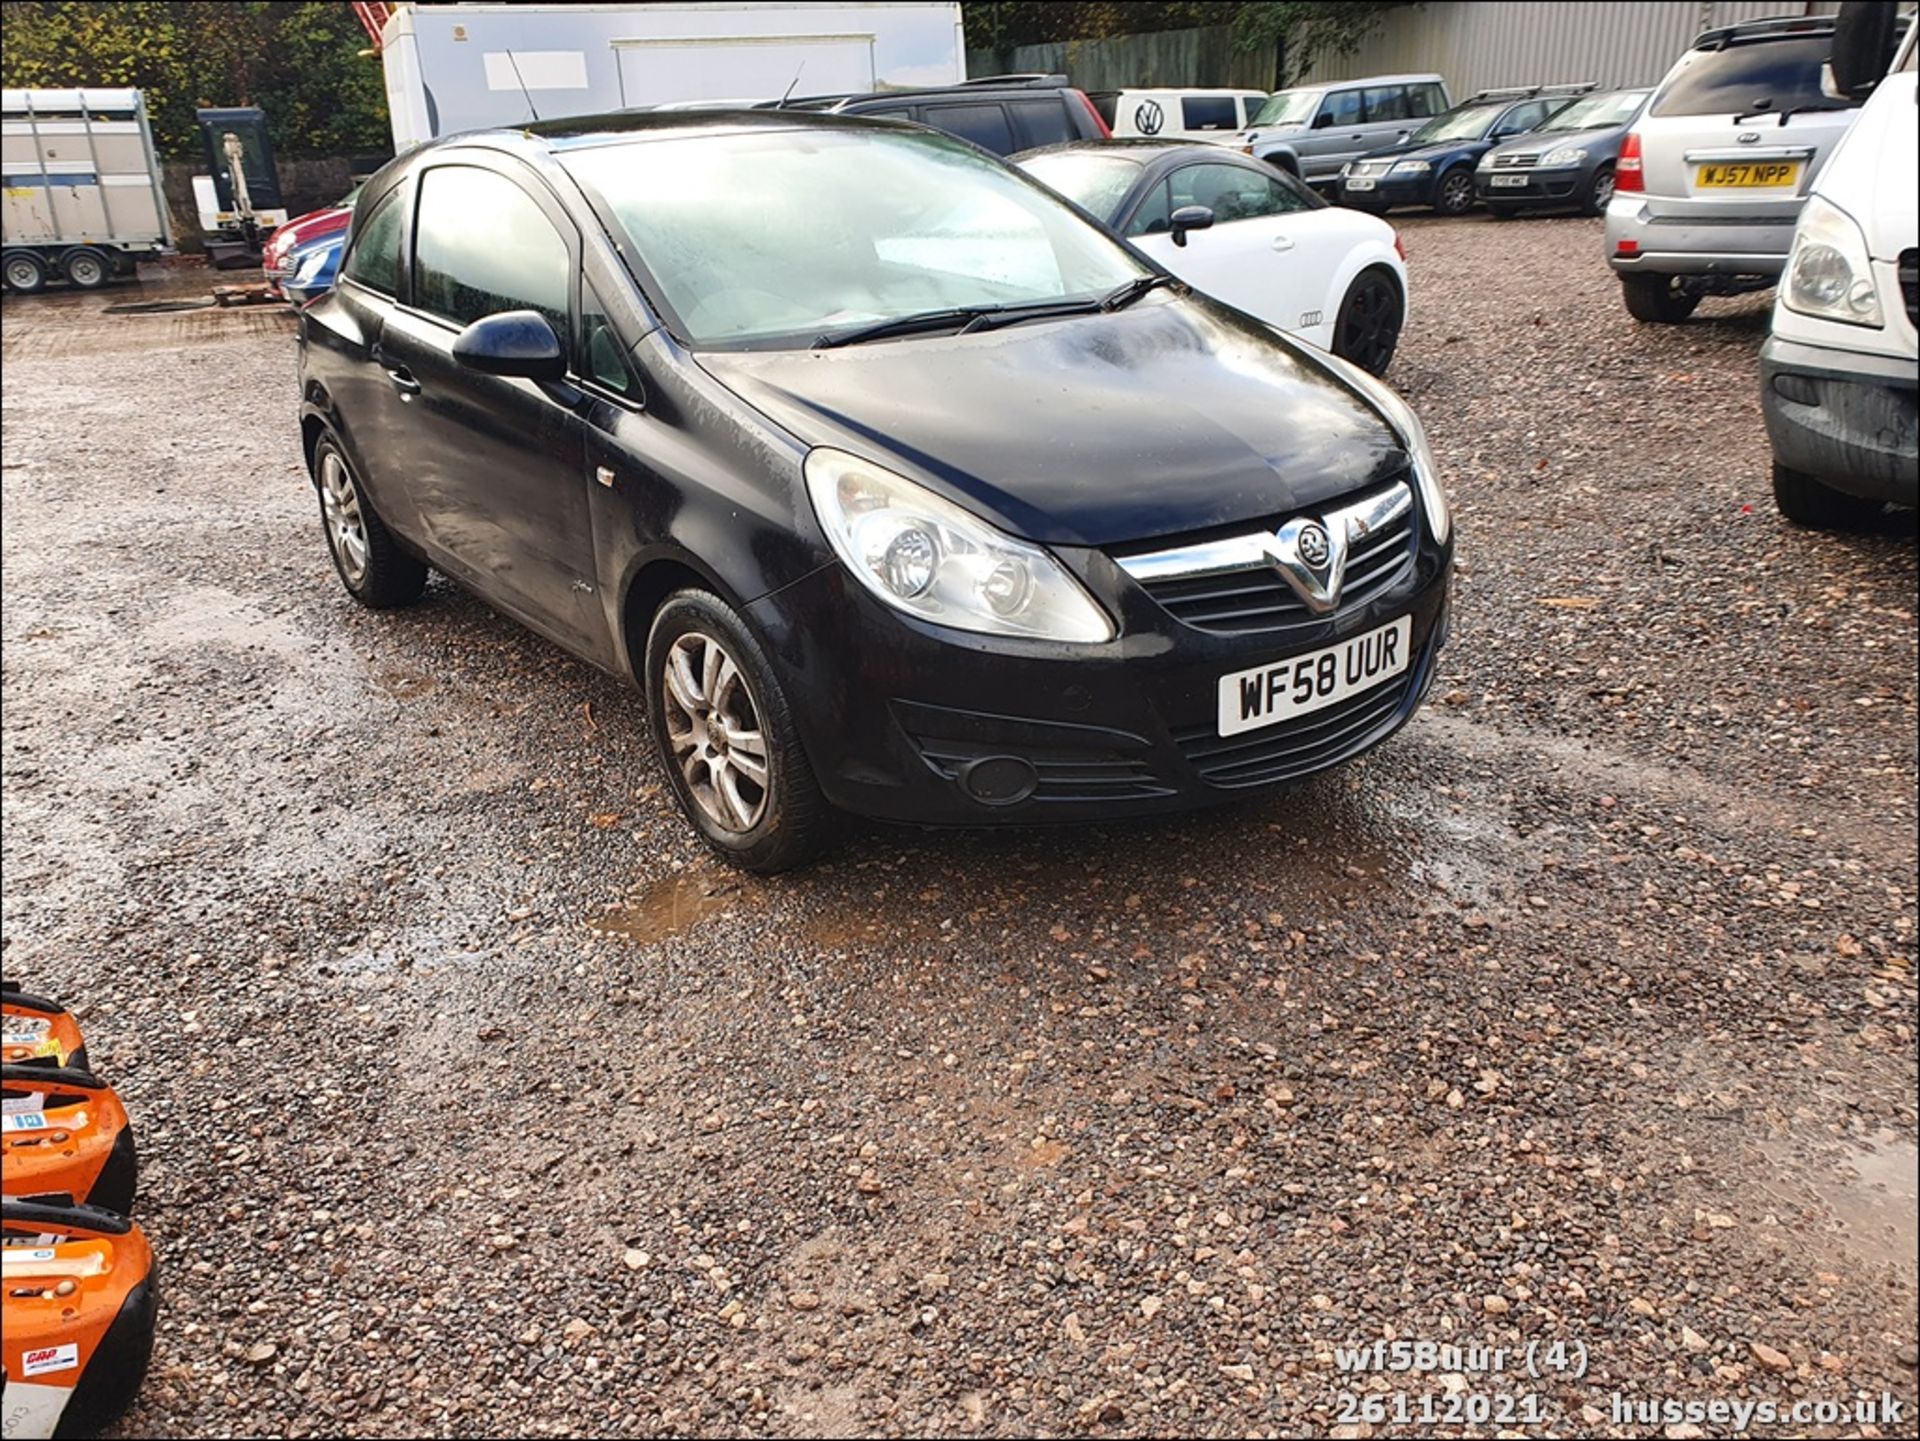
point(1096, 183)
point(776, 238)
point(1597, 112)
point(1760, 75)
point(1469, 123)
point(1289, 107)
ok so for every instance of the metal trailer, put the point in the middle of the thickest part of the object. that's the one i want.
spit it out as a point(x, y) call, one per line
point(82, 187)
point(451, 68)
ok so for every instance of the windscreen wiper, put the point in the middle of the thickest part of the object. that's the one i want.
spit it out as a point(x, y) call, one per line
point(906, 325)
point(1793, 110)
point(1124, 295)
point(1037, 310)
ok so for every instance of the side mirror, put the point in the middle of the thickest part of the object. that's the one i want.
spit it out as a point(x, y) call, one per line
point(1189, 217)
point(1863, 40)
point(1322, 120)
point(514, 342)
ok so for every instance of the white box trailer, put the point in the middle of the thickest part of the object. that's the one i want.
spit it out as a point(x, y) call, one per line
point(82, 186)
point(451, 68)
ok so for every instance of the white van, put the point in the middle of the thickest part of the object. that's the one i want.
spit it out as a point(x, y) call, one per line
point(1838, 380)
point(1177, 114)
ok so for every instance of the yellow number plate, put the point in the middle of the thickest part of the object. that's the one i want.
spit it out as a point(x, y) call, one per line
point(1756, 174)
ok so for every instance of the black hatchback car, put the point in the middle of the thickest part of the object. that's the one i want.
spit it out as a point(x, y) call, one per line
point(896, 484)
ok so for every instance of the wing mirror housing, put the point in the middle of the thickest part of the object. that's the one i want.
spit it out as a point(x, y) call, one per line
point(1189, 217)
point(515, 342)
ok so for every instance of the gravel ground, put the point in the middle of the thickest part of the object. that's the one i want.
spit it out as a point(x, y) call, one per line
point(474, 1099)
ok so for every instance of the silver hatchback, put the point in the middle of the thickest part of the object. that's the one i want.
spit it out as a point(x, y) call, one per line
point(1712, 178)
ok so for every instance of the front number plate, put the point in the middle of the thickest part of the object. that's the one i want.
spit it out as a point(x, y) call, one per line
point(1286, 690)
point(1359, 182)
point(1750, 174)
point(1509, 180)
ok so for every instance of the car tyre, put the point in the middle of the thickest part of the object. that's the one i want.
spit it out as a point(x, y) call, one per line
point(86, 268)
point(25, 272)
point(370, 563)
point(1453, 191)
point(709, 688)
point(1367, 327)
point(1599, 192)
point(1657, 299)
point(1818, 506)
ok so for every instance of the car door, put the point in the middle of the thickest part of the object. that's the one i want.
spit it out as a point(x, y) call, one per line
point(1338, 134)
point(373, 419)
point(495, 464)
point(1243, 258)
point(1388, 114)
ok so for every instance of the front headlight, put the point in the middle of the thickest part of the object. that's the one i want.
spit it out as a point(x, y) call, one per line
point(929, 558)
point(1565, 155)
point(1829, 274)
point(1412, 435)
point(1411, 167)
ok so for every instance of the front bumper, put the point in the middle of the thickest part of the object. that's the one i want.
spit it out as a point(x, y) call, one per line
point(1562, 185)
point(1388, 190)
point(1844, 417)
point(898, 717)
point(1663, 243)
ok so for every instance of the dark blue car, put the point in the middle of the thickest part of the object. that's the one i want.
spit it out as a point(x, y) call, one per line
point(1434, 165)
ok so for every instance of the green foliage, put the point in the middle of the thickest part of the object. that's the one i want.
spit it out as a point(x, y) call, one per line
point(299, 62)
point(1303, 32)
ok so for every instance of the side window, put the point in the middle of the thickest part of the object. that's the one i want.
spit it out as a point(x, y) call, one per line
point(1041, 122)
point(1151, 218)
point(1341, 107)
point(1208, 112)
point(375, 261)
point(603, 357)
point(1424, 100)
point(985, 125)
point(1286, 195)
point(1229, 191)
point(481, 246)
point(1385, 102)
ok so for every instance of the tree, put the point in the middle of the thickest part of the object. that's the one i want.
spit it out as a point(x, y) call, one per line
point(299, 62)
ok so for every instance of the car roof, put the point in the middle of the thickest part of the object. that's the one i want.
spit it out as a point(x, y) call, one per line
point(576, 131)
point(991, 85)
point(1154, 155)
point(1427, 78)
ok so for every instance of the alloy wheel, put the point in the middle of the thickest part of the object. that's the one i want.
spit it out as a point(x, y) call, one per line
point(1602, 189)
point(713, 727)
point(1456, 192)
point(1369, 324)
point(346, 525)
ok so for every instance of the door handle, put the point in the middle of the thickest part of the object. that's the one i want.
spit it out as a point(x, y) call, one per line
point(1282, 242)
point(403, 380)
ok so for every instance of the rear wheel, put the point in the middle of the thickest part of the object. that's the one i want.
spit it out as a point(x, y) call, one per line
point(88, 269)
point(727, 738)
point(1657, 299)
point(1599, 191)
point(372, 566)
point(24, 272)
point(1817, 505)
point(1368, 326)
point(1453, 192)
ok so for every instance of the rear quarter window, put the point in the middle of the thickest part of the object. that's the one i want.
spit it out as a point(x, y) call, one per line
point(1209, 112)
point(1041, 122)
point(985, 125)
point(1784, 73)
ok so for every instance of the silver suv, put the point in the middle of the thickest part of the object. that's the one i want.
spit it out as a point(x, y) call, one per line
point(1712, 178)
point(1313, 130)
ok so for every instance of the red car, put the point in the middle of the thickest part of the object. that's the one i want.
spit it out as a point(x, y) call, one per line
point(276, 255)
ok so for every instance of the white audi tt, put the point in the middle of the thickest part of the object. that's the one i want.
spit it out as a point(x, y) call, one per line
point(1245, 233)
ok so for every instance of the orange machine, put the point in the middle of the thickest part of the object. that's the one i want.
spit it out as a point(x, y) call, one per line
point(79, 1299)
point(64, 1132)
point(37, 1032)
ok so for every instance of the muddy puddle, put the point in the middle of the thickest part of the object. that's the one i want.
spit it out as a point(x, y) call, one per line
point(667, 907)
point(1864, 1195)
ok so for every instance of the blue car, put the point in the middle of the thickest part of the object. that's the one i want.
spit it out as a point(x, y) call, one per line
point(311, 268)
point(1435, 164)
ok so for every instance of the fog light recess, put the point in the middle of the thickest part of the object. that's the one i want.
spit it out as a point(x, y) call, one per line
point(998, 780)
